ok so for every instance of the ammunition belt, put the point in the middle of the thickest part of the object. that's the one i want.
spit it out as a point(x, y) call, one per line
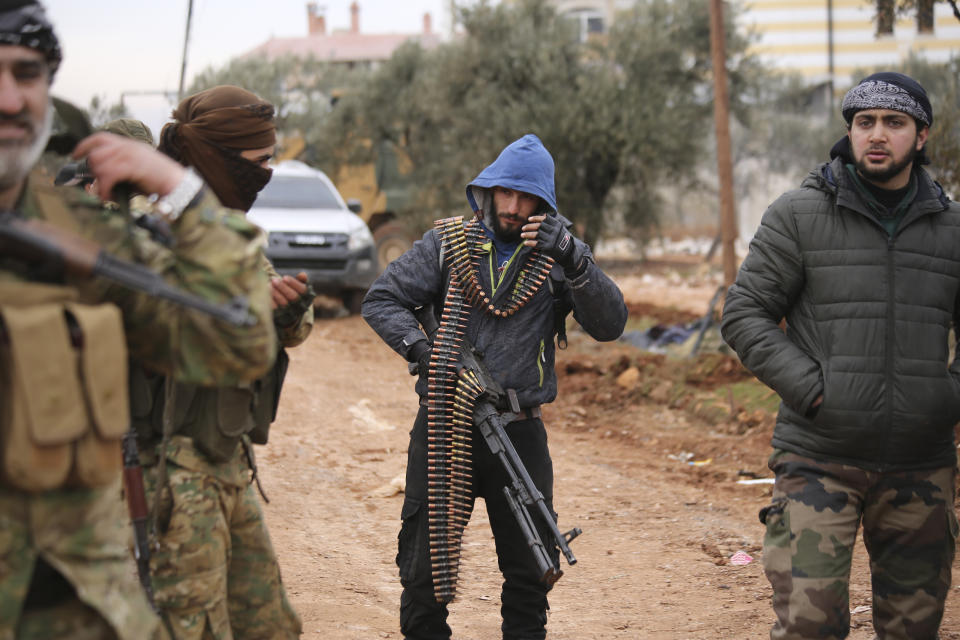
point(462, 245)
point(449, 460)
point(452, 393)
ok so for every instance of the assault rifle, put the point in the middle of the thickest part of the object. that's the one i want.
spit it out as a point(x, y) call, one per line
point(137, 506)
point(521, 493)
point(48, 253)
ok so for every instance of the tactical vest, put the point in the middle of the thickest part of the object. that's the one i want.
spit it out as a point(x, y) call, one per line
point(63, 369)
point(215, 418)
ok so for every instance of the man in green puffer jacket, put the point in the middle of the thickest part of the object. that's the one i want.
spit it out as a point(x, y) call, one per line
point(863, 263)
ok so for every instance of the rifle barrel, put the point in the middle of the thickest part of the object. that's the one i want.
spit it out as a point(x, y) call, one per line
point(140, 278)
point(52, 252)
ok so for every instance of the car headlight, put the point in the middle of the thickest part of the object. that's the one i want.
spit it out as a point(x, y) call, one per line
point(360, 238)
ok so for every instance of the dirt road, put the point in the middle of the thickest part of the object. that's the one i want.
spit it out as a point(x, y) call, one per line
point(653, 488)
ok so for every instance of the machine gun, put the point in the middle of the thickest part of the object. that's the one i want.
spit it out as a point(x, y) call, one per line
point(522, 494)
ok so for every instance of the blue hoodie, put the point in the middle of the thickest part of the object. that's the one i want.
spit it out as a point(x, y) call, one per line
point(518, 349)
point(525, 165)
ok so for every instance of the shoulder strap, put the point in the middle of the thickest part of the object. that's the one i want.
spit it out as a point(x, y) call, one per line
point(561, 306)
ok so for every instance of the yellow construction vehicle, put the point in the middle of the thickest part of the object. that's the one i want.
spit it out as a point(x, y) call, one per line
point(382, 191)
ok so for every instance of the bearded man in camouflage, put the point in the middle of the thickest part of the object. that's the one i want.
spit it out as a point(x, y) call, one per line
point(65, 569)
point(863, 262)
point(215, 573)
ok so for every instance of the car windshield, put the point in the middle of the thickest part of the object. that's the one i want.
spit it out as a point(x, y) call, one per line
point(297, 192)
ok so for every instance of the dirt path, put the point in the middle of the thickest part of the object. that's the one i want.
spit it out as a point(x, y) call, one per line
point(658, 531)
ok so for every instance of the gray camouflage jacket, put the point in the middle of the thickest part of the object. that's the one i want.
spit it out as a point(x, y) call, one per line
point(518, 350)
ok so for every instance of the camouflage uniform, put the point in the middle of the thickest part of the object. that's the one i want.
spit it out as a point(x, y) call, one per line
point(83, 532)
point(807, 557)
point(215, 573)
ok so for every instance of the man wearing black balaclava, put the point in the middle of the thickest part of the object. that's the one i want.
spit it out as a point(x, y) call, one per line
point(216, 573)
point(863, 263)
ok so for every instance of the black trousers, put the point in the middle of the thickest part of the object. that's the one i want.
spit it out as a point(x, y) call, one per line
point(523, 597)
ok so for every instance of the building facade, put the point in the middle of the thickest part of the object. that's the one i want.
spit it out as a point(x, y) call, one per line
point(345, 46)
point(826, 41)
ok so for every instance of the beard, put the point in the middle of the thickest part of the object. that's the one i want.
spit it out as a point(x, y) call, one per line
point(17, 158)
point(503, 232)
point(881, 175)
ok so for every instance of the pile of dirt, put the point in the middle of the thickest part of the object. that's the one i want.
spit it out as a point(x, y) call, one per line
point(649, 452)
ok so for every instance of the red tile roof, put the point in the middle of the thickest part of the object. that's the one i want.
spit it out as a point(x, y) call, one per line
point(342, 46)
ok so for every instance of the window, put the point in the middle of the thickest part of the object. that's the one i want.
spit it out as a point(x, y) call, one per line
point(296, 192)
point(589, 22)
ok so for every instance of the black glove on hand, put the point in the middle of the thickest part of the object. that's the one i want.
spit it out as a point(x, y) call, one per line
point(555, 241)
point(290, 315)
point(420, 354)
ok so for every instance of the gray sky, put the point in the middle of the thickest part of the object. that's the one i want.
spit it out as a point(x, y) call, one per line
point(115, 46)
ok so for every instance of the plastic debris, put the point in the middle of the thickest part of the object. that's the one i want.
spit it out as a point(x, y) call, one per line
point(700, 463)
point(757, 481)
point(741, 558)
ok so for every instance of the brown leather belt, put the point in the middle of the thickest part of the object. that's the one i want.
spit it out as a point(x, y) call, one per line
point(525, 414)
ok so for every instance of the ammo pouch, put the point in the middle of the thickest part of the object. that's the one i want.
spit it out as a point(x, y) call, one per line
point(222, 416)
point(63, 389)
point(214, 418)
point(268, 398)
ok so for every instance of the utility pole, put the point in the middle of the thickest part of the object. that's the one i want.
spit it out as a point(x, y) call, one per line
point(830, 63)
point(721, 119)
point(186, 41)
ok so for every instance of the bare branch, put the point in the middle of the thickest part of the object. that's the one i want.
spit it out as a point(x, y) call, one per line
point(956, 11)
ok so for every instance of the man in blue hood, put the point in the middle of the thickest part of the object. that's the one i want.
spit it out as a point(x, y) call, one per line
point(505, 279)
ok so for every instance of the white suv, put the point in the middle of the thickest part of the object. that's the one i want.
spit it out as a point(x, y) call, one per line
point(312, 229)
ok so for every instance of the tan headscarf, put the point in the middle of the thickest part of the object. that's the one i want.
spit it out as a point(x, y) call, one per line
point(211, 128)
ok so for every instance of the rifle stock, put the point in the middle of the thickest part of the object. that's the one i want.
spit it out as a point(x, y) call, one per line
point(51, 253)
point(137, 506)
point(521, 493)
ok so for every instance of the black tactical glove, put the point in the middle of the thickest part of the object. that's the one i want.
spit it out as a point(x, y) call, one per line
point(290, 314)
point(555, 241)
point(419, 355)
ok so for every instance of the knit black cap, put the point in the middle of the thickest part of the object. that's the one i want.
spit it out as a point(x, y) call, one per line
point(24, 23)
point(888, 90)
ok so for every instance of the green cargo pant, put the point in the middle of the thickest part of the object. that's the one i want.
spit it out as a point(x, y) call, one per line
point(71, 620)
point(909, 529)
point(84, 534)
point(215, 573)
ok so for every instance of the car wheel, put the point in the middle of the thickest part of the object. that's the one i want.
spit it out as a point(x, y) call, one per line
point(392, 241)
point(352, 300)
